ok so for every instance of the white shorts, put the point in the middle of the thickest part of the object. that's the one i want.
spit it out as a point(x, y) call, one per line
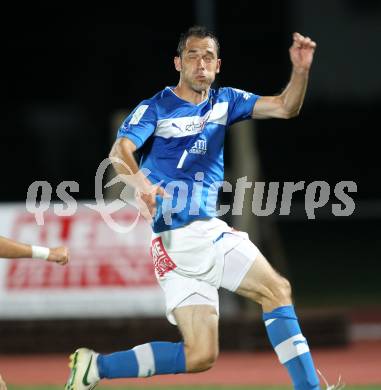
point(191, 263)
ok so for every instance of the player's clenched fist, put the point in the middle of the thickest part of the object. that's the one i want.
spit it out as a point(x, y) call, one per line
point(59, 255)
point(302, 52)
point(147, 200)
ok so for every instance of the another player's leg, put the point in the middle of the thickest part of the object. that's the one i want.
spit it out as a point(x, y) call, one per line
point(3, 386)
point(264, 285)
point(198, 325)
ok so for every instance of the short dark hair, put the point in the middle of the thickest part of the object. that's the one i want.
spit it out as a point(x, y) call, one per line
point(199, 32)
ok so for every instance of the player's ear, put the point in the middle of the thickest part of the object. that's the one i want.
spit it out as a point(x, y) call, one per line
point(218, 68)
point(177, 62)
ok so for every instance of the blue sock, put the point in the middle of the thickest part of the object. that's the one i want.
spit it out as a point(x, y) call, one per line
point(144, 360)
point(291, 347)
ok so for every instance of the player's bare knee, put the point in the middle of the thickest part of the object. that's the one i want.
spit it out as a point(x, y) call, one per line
point(288, 288)
point(283, 288)
point(200, 360)
point(204, 362)
point(280, 293)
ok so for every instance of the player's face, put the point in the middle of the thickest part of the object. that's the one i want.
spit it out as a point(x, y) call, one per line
point(198, 63)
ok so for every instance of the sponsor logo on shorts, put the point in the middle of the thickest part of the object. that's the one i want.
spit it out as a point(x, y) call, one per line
point(161, 261)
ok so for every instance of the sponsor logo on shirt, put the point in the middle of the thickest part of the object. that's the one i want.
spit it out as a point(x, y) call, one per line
point(199, 147)
point(194, 127)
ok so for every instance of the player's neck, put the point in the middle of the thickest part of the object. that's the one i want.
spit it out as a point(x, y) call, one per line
point(185, 93)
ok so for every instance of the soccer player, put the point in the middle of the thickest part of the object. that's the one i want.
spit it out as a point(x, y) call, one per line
point(180, 132)
point(11, 249)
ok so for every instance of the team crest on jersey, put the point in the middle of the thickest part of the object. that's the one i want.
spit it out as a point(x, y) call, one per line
point(199, 147)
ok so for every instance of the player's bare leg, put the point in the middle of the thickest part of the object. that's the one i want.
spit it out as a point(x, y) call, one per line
point(199, 327)
point(3, 386)
point(265, 286)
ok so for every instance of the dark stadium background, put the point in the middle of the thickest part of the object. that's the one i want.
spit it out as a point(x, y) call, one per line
point(68, 67)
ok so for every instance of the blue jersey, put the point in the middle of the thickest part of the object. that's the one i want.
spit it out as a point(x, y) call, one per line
point(182, 147)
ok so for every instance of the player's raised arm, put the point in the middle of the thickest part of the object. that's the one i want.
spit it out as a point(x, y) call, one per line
point(11, 249)
point(289, 102)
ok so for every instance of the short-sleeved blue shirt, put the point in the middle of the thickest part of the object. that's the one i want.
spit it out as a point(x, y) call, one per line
point(182, 146)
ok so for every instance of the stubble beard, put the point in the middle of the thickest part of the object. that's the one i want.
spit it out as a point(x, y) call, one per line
point(200, 86)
